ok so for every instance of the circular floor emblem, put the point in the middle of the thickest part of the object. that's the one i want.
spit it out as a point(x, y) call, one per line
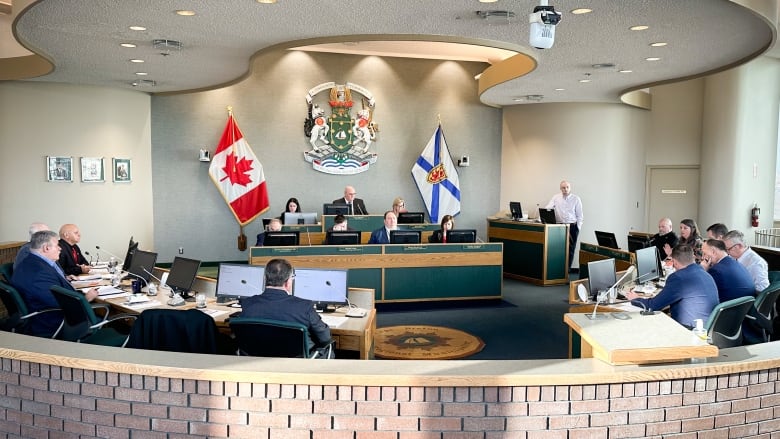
point(420, 342)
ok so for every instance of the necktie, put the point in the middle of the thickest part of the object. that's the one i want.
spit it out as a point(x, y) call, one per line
point(75, 255)
point(351, 212)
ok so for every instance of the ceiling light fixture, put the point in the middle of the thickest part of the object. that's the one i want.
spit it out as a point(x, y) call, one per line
point(137, 60)
point(141, 73)
point(128, 45)
point(625, 71)
point(185, 13)
point(166, 46)
point(652, 58)
point(267, 2)
point(560, 89)
point(139, 28)
point(143, 83)
point(658, 44)
point(639, 27)
point(496, 17)
point(488, 1)
point(580, 11)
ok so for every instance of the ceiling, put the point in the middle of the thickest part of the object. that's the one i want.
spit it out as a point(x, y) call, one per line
point(78, 41)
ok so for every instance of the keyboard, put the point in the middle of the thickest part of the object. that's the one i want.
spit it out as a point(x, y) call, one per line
point(226, 299)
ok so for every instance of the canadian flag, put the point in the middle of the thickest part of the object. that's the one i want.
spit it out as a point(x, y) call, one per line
point(239, 175)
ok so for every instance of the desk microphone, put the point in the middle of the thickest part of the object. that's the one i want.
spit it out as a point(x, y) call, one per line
point(360, 211)
point(139, 277)
point(111, 254)
point(152, 275)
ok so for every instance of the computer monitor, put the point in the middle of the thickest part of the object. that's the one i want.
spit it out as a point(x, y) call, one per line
point(547, 216)
point(648, 265)
point(236, 281)
point(290, 218)
point(462, 236)
point(637, 242)
point(601, 276)
point(405, 236)
point(182, 275)
point(607, 239)
point(335, 209)
point(142, 260)
point(411, 217)
point(516, 210)
point(324, 286)
point(342, 237)
point(131, 248)
point(282, 239)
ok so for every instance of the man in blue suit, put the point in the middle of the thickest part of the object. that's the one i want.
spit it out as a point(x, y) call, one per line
point(733, 280)
point(34, 277)
point(382, 235)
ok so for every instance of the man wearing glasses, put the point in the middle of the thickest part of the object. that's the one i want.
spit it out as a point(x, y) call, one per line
point(277, 303)
point(755, 264)
point(356, 205)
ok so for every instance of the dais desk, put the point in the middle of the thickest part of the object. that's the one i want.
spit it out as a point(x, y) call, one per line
point(533, 252)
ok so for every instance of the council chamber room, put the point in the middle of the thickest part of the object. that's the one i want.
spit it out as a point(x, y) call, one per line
point(175, 137)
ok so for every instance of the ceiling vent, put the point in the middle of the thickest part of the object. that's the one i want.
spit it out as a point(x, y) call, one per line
point(166, 46)
point(496, 17)
point(144, 83)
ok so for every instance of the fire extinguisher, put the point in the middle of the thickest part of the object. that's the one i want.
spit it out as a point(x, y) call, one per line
point(754, 215)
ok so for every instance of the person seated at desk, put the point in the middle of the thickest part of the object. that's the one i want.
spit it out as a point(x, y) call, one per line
point(275, 225)
point(340, 224)
point(399, 206)
point(717, 231)
point(34, 277)
point(24, 250)
point(277, 303)
point(665, 240)
point(690, 292)
point(382, 235)
point(292, 206)
point(440, 236)
point(689, 235)
point(356, 205)
point(732, 279)
point(755, 264)
point(71, 260)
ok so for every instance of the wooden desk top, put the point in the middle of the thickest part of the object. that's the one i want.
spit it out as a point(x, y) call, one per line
point(640, 339)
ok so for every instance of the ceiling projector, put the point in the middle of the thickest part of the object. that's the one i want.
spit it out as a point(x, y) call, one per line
point(543, 20)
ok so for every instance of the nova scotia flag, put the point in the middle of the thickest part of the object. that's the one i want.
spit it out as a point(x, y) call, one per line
point(437, 178)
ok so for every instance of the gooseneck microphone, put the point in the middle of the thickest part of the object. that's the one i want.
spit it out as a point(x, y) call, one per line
point(357, 205)
point(139, 277)
point(119, 260)
point(606, 293)
point(150, 274)
point(90, 256)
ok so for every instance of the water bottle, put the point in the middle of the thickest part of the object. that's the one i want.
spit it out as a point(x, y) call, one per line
point(698, 329)
point(112, 265)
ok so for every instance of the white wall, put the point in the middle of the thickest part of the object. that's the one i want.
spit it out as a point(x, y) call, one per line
point(42, 119)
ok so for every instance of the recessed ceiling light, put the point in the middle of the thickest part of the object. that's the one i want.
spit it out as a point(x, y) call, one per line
point(137, 60)
point(584, 80)
point(137, 28)
point(141, 73)
point(266, 1)
point(652, 58)
point(579, 11)
point(640, 27)
point(185, 13)
point(625, 71)
point(560, 89)
point(658, 44)
point(488, 1)
point(129, 45)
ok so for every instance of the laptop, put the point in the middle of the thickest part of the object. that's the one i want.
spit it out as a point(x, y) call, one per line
point(547, 216)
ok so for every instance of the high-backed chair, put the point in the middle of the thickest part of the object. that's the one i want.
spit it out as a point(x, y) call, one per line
point(82, 325)
point(724, 326)
point(762, 315)
point(174, 330)
point(7, 270)
point(18, 316)
point(274, 338)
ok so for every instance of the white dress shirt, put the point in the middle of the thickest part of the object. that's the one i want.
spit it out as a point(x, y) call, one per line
point(757, 267)
point(568, 209)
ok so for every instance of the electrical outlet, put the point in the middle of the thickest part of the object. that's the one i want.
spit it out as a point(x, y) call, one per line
point(181, 250)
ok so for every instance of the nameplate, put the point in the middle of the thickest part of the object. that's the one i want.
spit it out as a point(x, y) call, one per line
point(350, 249)
point(287, 250)
point(473, 246)
point(415, 247)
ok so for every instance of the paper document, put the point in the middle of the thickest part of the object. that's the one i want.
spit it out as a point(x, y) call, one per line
point(334, 321)
point(626, 306)
point(82, 277)
point(142, 305)
point(108, 290)
point(213, 312)
point(114, 296)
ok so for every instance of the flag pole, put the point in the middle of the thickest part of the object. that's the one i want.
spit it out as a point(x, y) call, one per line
point(241, 239)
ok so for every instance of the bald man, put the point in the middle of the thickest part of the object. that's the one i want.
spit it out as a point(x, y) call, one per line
point(356, 205)
point(568, 210)
point(665, 240)
point(71, 260)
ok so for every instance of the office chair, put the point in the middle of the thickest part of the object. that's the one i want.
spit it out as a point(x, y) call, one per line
point(273, 338)
point(724, 326)
point(82, 325)
point(7, 270)
point(761, 316)
point(18, 316)
point(174, 330)
point(773, 276)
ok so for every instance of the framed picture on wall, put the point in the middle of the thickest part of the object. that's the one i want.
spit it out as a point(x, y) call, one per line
point(122, 170)
point(59, 169)
point(92, 170)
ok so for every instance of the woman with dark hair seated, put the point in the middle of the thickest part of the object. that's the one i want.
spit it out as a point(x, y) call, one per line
point(292, 206)
point(440, 236)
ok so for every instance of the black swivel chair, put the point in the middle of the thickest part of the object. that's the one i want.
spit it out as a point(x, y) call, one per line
point(724, 326)
point(274, 338)
point(175, 330)
point(18, 316)
point(7, 270)
point(82, 325)
point(760, 318)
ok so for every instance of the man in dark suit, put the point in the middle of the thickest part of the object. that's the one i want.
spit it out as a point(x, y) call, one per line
point(356, 205)
point(71, 259)
point(275, 225)
point(382, 236)
point(277, 303)
point(34, 277)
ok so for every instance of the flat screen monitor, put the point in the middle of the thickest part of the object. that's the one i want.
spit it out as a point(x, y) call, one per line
point(182, 275)
point(131, 248)
point(547, 216)
point(462, 236)
point(282, 239)
point(299, 218)
point(637, 242)
point(335, 209)
point(142, 260)
point(516, 210)
point(342, 237)
point(607, 239)
point(411, 217)
point(236, 281)
point(648, 265)
point(325, 287)
point(601, 276)
point(405, 236)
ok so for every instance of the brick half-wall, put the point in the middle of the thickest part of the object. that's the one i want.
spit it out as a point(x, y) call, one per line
point(54, 401)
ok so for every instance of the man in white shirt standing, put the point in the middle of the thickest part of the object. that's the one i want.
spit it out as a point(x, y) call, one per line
point(755, 264)
point(568, 210)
